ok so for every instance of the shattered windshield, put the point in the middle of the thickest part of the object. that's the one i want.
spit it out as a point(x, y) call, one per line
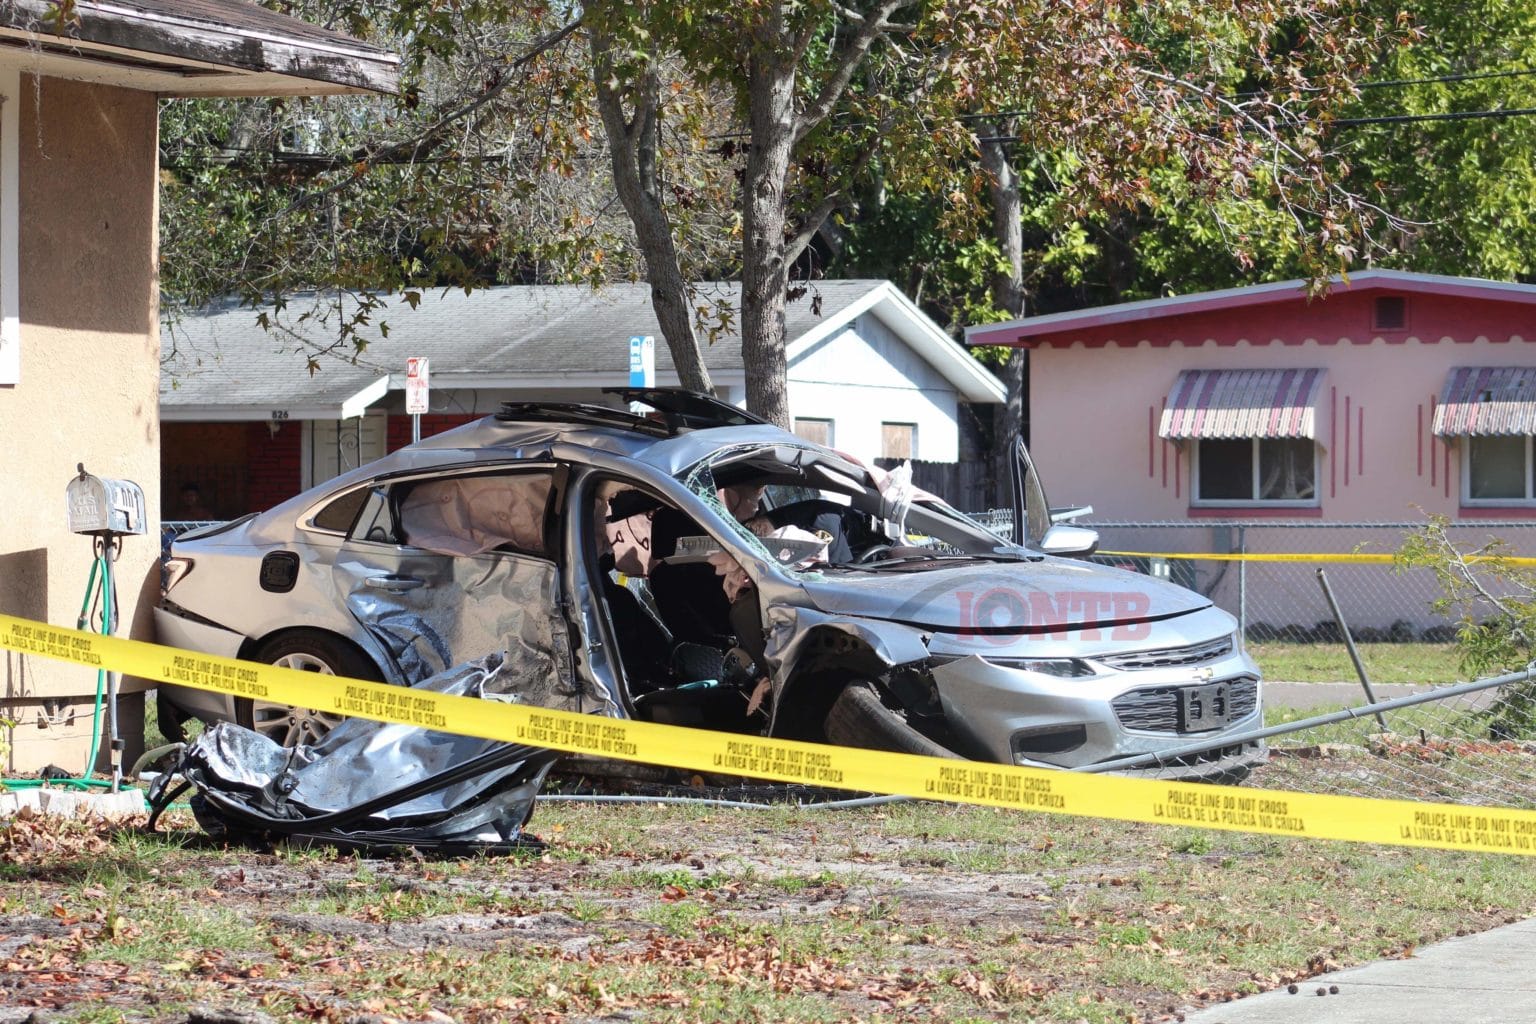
point(807, 508)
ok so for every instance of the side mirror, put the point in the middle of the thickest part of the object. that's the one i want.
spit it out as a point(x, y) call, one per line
point(1068, 541)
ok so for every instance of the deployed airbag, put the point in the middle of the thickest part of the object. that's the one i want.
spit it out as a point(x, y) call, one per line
point(475, 514)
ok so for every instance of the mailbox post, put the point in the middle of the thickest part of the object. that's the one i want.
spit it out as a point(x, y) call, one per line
point(106, 510)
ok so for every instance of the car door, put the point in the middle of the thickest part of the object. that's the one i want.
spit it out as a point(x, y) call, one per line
point(450, 567)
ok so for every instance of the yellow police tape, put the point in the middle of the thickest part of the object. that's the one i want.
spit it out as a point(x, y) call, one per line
point(1353, 558)
point(1397, 822)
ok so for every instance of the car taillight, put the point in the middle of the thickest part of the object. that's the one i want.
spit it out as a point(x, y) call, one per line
point(173, 571)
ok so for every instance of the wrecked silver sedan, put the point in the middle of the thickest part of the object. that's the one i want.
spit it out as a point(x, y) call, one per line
point(699, 567)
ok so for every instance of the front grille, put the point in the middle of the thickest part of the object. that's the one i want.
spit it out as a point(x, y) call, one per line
point(1170, 657)
point(1156, 708)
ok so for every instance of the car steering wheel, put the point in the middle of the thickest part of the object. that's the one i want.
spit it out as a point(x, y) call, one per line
point(872, 553)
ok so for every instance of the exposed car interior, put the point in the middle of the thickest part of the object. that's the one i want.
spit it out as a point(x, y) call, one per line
point(869, 519)
point(686, 648)
point(688, 639)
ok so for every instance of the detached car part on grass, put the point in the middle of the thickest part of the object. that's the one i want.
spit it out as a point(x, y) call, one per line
point(366, 784)
point(700, 567)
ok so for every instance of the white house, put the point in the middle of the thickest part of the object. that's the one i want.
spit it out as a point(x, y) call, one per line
point(242, 419)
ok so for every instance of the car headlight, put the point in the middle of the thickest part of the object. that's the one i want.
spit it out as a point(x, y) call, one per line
point(173, 571)
point(1062, 668)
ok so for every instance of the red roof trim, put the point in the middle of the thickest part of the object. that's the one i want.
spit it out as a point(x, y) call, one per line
point(1020, 332)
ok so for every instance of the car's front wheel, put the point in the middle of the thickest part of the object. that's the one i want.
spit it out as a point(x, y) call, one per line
point(304, 651)
point(860, 718)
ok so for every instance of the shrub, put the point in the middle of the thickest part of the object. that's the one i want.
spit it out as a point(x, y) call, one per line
point(1438, 634)
point(1327, 632)
point(1493, 604)
point(1262, 632)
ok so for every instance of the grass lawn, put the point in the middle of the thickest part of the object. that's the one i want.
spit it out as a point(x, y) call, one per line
point(1384, 662)
point(912, 912)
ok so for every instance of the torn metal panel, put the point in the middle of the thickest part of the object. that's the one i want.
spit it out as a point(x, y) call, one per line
point(372, 783)
point(426, 609)
point(805, 641)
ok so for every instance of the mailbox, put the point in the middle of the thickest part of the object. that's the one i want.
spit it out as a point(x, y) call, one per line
point(103, 506)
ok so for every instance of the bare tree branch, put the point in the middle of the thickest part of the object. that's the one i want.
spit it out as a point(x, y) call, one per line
point(872, 27)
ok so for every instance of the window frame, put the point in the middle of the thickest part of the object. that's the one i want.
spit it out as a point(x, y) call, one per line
point(1378, 324)
point(831, 425)
point(1196, 501)
point(912, 448)
point(382, 492)
point(1467, 501)
point(10, 228)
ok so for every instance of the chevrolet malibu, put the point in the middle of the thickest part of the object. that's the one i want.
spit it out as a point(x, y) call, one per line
point(693, 565)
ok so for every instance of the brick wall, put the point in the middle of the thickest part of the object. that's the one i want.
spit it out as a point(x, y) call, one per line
point(275, 464)
point(399, 433)
point(245, 467)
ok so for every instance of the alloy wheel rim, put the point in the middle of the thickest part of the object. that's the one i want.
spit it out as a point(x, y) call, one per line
point(286, 724)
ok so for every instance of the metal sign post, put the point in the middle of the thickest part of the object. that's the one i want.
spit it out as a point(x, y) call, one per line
point(417, 386)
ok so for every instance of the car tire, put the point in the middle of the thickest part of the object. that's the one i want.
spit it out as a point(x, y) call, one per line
point(860, 718)
point(307, 651)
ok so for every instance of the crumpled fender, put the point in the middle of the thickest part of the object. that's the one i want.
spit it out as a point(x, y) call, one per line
point(798, 637)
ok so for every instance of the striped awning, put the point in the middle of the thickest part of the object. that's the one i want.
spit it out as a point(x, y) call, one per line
point(1487, 401)
point(1242, 403)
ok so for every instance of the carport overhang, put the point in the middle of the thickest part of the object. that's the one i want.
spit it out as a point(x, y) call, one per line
point(339, 403)
point(191, 48)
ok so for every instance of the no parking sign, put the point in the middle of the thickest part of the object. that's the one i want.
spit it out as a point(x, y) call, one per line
point(416, 385)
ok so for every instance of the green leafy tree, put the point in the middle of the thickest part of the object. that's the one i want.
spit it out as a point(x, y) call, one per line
point(806, 104)
point(1492, 600)
point(1213, 117)
point(1468, 184)
point(490, 166)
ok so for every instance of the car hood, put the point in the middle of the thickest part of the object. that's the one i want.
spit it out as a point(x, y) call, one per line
point(1002, 597)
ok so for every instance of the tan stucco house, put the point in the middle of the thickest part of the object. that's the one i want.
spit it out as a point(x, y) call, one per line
point(79, 306)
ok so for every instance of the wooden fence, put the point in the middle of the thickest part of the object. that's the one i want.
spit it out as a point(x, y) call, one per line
point(965, 485)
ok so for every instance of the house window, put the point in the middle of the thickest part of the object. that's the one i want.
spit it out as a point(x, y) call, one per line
point(815, 431)
point(898, 440)
point(1390, 313)
point(1497, 470)
point(1268, 470)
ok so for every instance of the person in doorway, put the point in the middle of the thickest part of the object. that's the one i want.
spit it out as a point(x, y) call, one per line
point(192, 505)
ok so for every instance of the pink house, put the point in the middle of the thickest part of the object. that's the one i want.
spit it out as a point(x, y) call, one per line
point(1394, 395)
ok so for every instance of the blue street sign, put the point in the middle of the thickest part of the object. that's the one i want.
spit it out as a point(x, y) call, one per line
point(642, 361)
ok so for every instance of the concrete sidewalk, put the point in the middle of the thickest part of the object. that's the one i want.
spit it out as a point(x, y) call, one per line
point(1478, 979)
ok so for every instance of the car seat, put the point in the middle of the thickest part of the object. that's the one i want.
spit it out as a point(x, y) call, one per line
point(689, 596)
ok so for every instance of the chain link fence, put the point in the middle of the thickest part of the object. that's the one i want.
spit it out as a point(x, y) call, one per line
point(1477, 747)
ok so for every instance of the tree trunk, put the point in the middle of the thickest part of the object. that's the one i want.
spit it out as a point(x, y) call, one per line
point(1007, 294)
point(764, 271)
point(633, 145)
